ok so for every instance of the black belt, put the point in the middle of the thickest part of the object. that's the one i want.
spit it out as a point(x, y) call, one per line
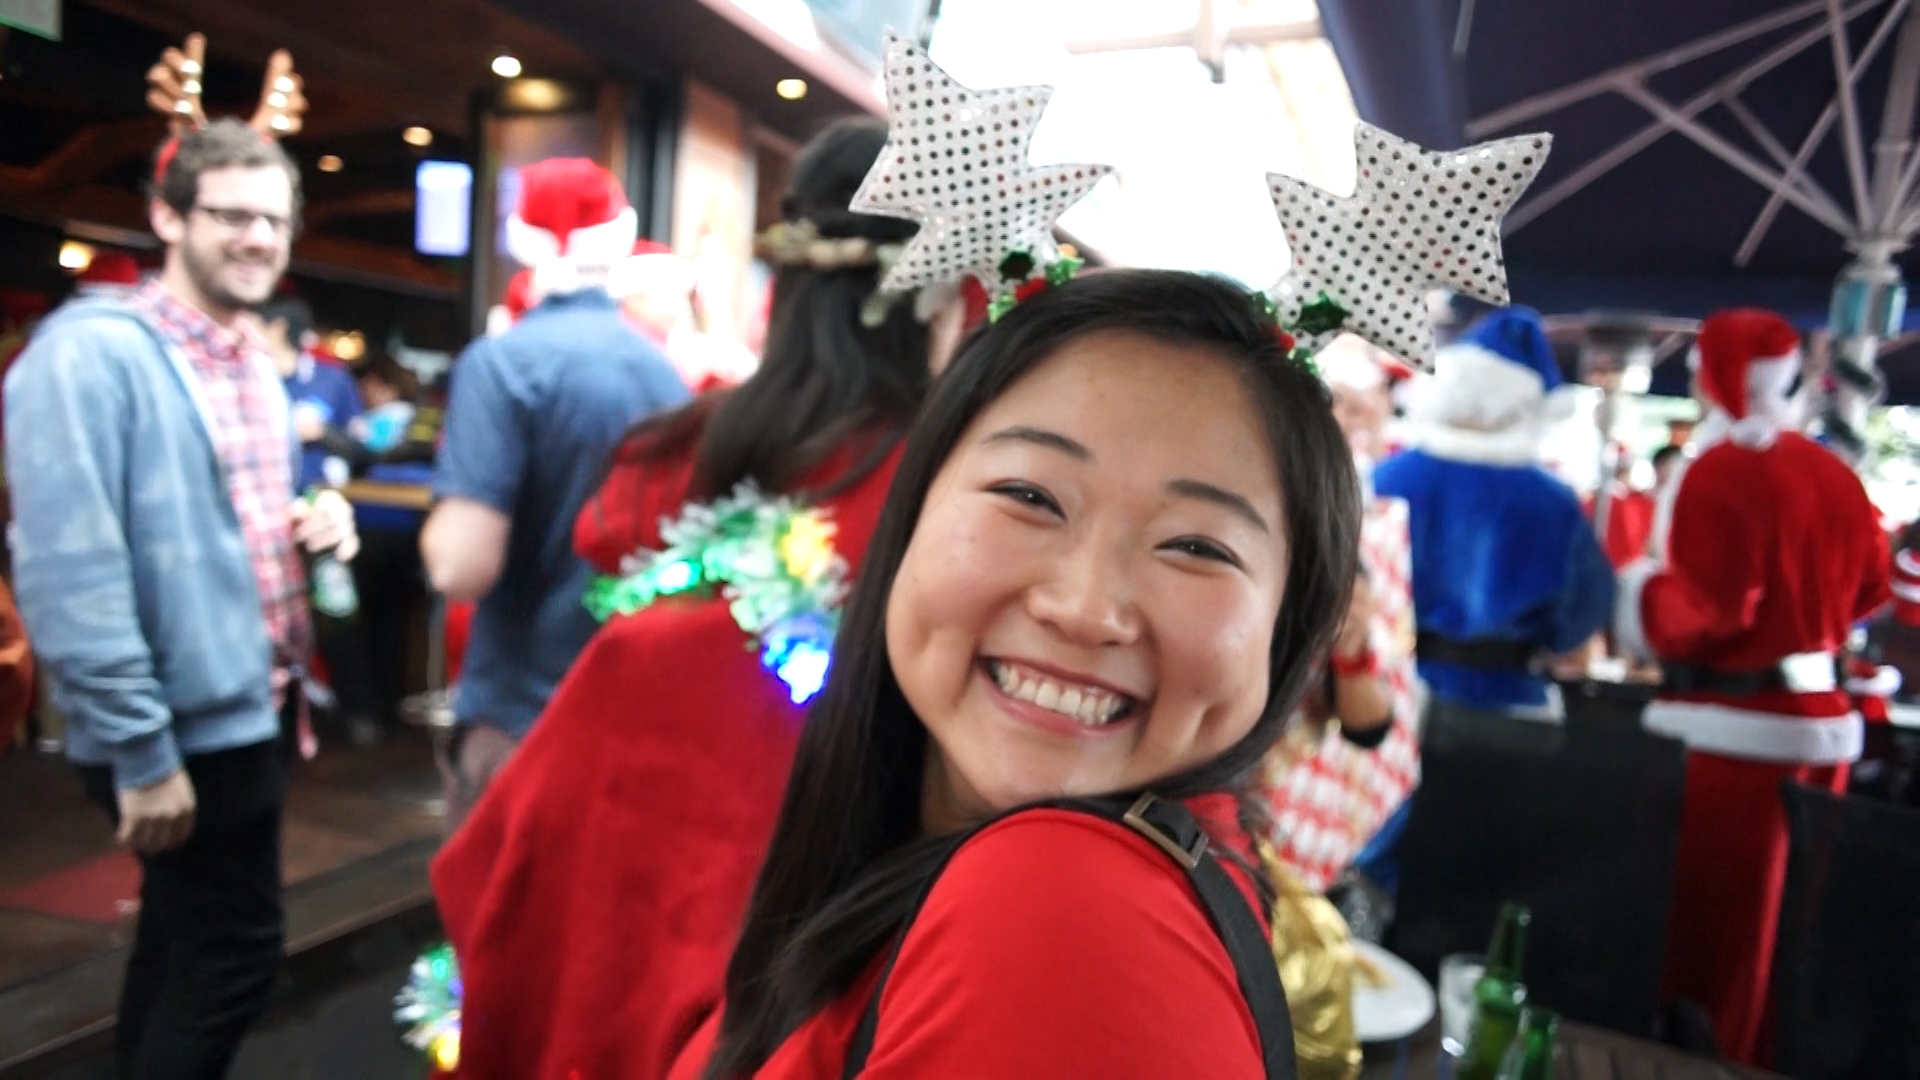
point(1695, 679)
point(1476, 652)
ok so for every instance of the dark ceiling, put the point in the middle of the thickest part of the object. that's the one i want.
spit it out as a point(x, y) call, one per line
point(76, 136)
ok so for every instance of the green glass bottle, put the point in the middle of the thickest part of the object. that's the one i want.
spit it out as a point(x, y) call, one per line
point(1497, 998)
point(334, 597)
point(1532, 1055)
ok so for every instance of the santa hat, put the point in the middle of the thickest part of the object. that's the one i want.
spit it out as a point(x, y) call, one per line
point(653, 268)
point(1493, 392)
point(110, 271)
point(1744, 360)
point(519, 299)
point(573, 225)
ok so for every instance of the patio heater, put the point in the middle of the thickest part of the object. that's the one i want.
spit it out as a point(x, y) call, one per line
point(1876, 217)
point(1617, 355)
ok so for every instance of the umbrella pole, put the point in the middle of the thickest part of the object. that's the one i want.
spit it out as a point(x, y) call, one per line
point(1870, 297)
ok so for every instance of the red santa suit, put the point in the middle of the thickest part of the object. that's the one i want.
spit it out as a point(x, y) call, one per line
point(1765, 551)
point(594, 894)
point(1906, 587)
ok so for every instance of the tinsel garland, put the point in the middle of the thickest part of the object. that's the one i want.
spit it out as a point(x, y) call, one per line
point(773, 561)
point(428, 1008)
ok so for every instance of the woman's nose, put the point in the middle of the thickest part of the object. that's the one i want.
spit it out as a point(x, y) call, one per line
point(1088, 597)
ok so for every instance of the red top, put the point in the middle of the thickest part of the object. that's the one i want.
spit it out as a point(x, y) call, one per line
point(594, 895)
point(1906, 587)
point(1054, 945)
point(1629, 524)
point(624, 515)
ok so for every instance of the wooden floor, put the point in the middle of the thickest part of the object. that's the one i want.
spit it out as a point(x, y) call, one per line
point(361, 826)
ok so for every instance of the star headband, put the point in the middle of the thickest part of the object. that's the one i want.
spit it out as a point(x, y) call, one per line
point(956, 162)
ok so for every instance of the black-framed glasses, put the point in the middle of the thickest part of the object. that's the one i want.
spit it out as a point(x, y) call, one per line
point(240, 220)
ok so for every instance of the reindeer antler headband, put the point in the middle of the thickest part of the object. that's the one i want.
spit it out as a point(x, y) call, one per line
point(956, 162)
point(175, 85)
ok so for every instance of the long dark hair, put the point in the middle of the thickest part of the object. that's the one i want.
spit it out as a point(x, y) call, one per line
point(824, 375)
point(844, 865)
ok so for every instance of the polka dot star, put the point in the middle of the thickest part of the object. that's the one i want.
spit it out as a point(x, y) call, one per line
point(956, 162)
point(1418, 220)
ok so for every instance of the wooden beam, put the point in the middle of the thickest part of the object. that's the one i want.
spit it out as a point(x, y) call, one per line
point(248, 34)
point(368, 204)
point(92, 152)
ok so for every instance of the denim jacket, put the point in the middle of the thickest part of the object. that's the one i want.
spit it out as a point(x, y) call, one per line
point(132, 573)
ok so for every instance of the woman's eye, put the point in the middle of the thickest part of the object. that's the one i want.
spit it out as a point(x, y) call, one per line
point(1028, 495)
point(1202, 549)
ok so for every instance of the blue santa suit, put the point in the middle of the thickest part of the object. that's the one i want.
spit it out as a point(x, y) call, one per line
point(1502, 551)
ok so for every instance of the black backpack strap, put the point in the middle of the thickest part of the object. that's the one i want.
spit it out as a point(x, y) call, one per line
point(1174, 831)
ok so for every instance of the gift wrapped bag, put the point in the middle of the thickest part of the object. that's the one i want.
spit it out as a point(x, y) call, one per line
point(1315, 955)
point(1328, 797)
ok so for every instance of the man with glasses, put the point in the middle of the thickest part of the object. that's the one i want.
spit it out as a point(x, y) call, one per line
point(156, 548)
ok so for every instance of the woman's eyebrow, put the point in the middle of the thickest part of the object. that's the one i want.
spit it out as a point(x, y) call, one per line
point(1052, 440)
point(1219, 496)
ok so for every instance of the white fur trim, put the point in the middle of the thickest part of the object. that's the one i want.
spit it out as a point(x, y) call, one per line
point(1903, 590)
point(1478, 389)
point(561, 277)
point(1514, 447)
point(1758, 736)
point(656, 272)
point(530, 245)
point(1884, 682)
point(1629, 625)
point(591, 252)
point(499, 320)
point(1758, 431)
point(1769, 409)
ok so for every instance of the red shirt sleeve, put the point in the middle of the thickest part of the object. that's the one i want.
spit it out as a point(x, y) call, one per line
point(624, 515)
point(1056, 944)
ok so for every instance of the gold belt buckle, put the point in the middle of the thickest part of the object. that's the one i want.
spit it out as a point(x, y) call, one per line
point(1136, 818)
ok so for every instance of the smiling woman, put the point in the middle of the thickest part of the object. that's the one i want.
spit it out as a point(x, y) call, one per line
point(1121, 534)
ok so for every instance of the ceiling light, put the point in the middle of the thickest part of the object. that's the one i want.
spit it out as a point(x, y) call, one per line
point(347, 346)
point(330, 163)
point(505, 66)
point(417, 136)
point(791, 89)
point(76, 256)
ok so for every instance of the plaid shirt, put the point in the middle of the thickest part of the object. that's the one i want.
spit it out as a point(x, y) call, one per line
point(248, 422)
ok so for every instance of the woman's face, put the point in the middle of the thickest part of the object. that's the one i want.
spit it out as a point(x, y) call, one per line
point(1088, 601)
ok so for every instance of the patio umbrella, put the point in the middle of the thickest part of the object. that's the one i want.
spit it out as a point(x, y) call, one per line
point(1706, 153)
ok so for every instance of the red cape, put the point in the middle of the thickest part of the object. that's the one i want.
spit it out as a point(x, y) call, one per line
point(594, 895)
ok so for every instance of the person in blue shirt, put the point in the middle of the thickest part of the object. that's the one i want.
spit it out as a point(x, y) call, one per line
point(533, 416)
point(323, 394)
point(1507, 572)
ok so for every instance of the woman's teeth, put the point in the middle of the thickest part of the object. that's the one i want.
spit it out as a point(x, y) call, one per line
point(1089, 705)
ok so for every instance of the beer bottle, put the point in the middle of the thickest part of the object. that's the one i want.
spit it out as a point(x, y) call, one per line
point(1531, 1056)
point(1497, 998)
point(330, 581)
